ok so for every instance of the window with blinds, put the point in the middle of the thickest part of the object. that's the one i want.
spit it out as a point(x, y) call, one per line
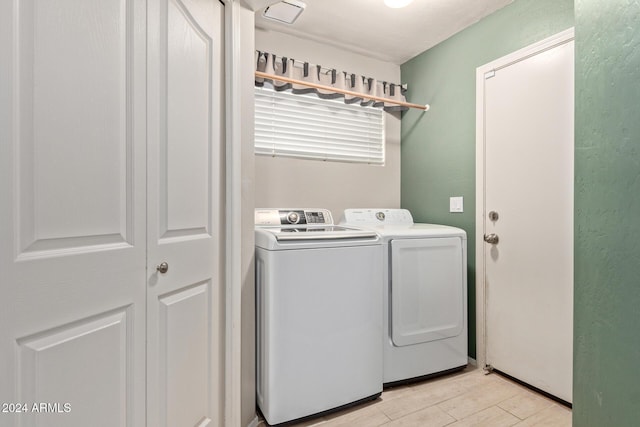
point(309, 127)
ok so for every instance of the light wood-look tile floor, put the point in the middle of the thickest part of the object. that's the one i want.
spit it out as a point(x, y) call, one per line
point(468, 398)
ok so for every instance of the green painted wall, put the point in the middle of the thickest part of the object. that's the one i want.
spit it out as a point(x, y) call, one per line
point(607, 219)
point(438, 147)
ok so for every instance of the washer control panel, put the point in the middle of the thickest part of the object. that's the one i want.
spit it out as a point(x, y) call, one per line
point(293, 217)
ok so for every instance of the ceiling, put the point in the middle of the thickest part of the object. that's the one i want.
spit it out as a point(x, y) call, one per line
point(370, 28)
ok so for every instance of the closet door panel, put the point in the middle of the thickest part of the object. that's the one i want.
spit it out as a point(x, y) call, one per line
point(184, 188)
point(73, 133)
point(47, 372)
point(73, 212)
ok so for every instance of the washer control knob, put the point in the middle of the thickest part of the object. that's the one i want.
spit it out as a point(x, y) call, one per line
point(293, 217)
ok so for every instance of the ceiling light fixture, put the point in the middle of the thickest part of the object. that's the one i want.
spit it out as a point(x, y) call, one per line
point(396, 4)
point(286, 11)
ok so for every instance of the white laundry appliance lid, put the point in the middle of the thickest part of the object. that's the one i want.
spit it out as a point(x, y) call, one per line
point(281, 228)
point(326, 232)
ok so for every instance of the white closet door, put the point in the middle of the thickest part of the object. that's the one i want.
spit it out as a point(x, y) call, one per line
point(184, 175)
point(72, 212)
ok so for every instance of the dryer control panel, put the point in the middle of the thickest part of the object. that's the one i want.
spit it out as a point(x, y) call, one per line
point(369, 217)
point(293, 217)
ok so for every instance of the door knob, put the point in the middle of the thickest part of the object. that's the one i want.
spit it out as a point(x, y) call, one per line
point(163, 267)
point(491, 238)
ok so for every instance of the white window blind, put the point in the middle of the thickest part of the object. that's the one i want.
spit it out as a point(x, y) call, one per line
point(306, 126)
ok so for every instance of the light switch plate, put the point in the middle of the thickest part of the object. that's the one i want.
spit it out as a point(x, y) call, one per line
point(456, 204)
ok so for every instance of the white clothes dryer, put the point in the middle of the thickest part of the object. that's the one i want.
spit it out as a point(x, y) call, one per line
point(425, 302)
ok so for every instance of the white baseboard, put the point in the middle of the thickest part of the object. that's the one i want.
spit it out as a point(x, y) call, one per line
point(254, 422)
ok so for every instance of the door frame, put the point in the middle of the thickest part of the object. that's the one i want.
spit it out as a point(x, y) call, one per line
point(512, 58)
point(232, 394)
point(237, 333)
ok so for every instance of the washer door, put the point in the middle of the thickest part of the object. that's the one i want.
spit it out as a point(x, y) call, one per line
point(426, 290)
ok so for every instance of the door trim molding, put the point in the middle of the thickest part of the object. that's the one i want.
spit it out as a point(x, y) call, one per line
point(488, 70)
point(232, 395)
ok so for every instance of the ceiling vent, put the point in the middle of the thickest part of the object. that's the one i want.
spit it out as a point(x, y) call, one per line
point(285, 11)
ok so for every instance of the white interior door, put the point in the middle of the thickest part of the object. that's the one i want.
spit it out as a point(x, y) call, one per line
point(72, 213)
point(184, 211)
point(528, 206)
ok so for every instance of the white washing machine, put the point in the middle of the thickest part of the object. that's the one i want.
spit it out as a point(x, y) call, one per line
point(319, 293)
point(425, 302)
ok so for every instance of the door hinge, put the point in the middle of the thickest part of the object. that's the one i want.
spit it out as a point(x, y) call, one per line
point(489, 74)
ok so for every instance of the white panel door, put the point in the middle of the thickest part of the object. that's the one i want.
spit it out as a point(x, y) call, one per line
point(72, 212)
point(184, 210)
point(528, 172)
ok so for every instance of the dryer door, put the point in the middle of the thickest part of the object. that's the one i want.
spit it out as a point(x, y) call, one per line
point(427, 294)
